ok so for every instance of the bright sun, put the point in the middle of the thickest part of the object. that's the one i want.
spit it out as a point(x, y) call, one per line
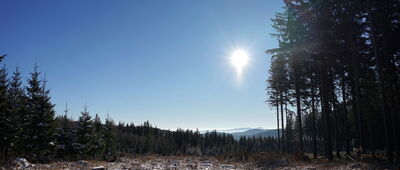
point(239, 60)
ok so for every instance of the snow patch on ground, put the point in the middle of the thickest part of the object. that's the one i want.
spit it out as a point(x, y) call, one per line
point(156, 162)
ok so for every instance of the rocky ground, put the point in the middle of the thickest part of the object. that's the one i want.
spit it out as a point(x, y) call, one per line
point(191, 162)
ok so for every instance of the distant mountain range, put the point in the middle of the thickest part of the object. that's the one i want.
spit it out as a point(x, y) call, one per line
point(248, 132)
point(235, 130)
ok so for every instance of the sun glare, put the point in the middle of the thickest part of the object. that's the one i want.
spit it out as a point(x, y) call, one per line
point(239, 60)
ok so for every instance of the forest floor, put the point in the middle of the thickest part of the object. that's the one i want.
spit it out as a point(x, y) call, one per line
point(261, 161)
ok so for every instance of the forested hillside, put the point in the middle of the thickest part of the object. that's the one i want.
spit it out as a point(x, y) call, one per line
point(29, 128)
point(335, 77)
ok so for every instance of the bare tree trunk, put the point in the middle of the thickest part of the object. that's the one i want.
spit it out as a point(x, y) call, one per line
point(382, 102)
point(313, 119)
point(358, 118)
point(298, 105)
point(277, 121)
point(283, 128)
point(386, 63)
point(345, 121)
point(325, 114)
point(287, 135)
point(333, 95)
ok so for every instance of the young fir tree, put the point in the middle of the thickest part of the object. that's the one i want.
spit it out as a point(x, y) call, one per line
point(98, 138)
point(110, 153)
point(64, 136)
point(40, 125)
point(7, 126)
point(83, 135)
point(17, 108)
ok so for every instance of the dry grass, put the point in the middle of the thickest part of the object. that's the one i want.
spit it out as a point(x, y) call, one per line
point(250, 161)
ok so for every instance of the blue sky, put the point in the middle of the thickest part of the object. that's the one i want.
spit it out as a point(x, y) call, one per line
point(162, 61)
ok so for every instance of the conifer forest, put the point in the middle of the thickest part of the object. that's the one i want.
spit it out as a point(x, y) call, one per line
point(332, 83)
point(337, 67)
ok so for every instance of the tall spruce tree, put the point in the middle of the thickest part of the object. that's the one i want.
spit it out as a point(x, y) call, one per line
point(40, 125)
point(7, 126)
point(279, 81)
point(18, 108)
